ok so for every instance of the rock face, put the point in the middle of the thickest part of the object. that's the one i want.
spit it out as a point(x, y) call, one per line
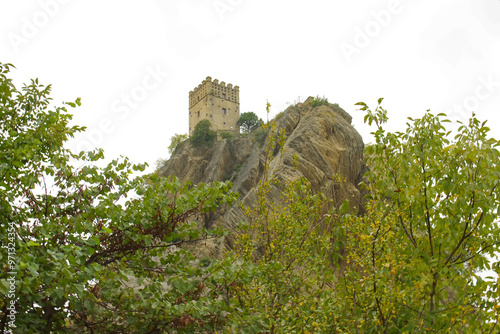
point(321, 139)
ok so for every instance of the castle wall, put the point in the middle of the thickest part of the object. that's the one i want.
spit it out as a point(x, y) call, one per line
point(217, 102)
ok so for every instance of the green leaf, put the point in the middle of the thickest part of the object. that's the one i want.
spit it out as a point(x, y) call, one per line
point(33, 268)
point(31, 243)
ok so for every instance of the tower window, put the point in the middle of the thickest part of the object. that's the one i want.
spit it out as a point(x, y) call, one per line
point(224, 111)
point(223, 95)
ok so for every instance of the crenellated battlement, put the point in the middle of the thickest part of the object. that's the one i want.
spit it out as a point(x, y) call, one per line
point(217, 102)
point(214, 88)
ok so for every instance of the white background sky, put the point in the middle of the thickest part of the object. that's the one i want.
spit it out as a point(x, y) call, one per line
point(418, 55)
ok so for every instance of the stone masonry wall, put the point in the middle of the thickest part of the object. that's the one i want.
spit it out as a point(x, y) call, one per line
point(217, 102)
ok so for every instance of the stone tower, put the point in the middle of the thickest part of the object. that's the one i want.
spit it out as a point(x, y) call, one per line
point(217, 102)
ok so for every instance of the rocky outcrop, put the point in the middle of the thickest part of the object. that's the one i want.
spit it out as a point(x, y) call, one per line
point(320, 144)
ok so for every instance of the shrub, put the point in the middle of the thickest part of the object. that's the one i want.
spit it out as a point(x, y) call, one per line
point(202, 135)
point(226, 135)
point(318, 101)
point(175, 141)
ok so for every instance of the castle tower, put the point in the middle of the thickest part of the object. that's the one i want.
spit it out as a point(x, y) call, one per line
point(217, 102)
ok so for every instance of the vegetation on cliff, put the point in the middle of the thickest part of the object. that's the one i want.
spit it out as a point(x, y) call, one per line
point(249, 121)
point(203, 134)
point(94, 250)
point(175, 141)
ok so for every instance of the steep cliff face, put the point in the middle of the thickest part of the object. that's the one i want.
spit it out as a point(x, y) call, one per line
point(321, 139)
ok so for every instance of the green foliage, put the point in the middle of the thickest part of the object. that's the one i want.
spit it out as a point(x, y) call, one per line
point(205, 262)
point(93, 248)
point(410, 264)
point(249, 121)
point(318, 101)
point(237, 167)
point(282, 288)
point(226, 135)
point(175, 141)
point(290, 253)
point(202, 135)
point(429, 229)
point(74, 234)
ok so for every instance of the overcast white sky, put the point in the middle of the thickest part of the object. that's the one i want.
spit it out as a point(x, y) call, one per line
point(133, 63)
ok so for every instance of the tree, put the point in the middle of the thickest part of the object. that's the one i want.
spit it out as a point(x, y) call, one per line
point(282, 279)
point(175, 141)
point(202, 135)
point(90, 249)
point(431, 226)
point(410, 264)
point(249, 121)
